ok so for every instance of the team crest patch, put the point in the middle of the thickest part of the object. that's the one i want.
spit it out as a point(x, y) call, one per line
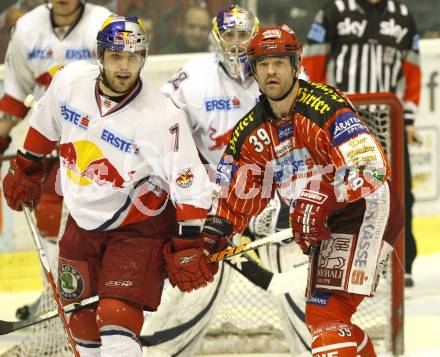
point(71, 282)
point(184, 178)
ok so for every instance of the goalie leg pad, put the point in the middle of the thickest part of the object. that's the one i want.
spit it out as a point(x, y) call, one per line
point(121, 313)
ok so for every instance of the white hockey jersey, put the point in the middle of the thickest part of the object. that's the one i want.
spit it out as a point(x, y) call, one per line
point(35, 53)
point(213, 102)
point(120, 167)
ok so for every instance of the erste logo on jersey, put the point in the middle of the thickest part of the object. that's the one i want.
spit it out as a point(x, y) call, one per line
point(349, 27)
point(79, 54)
point(69, 54)
point(40, 53)
point(297, 160)
point(221, 104)
point(346, 126)
point(390, 28)
point(74, 117)
point(119, 142)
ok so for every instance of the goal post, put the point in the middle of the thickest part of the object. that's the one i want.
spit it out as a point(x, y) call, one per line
point(396, 134)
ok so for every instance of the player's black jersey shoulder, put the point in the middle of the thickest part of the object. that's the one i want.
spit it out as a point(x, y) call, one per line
point(252, 120)
point(319, 102)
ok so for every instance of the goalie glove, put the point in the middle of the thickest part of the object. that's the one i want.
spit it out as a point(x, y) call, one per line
point(312, 208)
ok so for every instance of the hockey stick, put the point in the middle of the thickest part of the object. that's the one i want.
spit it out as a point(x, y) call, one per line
point(7, 157)
point(259, 276)
point(49, 276)
point(12, 326)
point(245, 247)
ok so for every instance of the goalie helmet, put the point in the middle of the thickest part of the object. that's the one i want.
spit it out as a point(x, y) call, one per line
point(275, 41)
point(232, 29)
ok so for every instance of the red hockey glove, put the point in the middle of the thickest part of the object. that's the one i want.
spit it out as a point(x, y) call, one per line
point(312, 208)
point(187, 264)
point(22, 183)
point(4, 143)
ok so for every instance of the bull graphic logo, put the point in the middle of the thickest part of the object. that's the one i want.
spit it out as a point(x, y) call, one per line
point(44, 79)
point(221, 140)
point(91, 167)
point(184, 178)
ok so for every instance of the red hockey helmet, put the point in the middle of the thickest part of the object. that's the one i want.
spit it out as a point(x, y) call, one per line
point(275, 41)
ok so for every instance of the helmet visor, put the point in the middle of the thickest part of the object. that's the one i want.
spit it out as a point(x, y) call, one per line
point(234, 42)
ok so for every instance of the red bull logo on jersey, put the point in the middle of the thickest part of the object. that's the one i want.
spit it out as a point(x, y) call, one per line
point(220, 141)
point(85, 164)
point(184, 178)
point(45, 78)
point(74, 117)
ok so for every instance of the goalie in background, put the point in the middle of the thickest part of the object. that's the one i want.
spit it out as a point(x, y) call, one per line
point(306, 141)
point(135, 189)
point(215, 91)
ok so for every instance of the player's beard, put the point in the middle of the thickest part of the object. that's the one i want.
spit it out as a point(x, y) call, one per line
point(283, 92)
point(119, 86)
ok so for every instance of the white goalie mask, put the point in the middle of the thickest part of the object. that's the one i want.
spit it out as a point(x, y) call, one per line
point(232, 30)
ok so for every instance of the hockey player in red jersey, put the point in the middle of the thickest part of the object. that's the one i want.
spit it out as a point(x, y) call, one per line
point(215, 90)
point(305, 140)
point(133, 184)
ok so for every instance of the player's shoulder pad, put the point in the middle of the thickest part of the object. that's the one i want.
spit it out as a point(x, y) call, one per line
point(252, 120)
point(27, 22)
point(319, 102)
point(159, 106)
point(192, 80)
point(75, 72)
point(195, 73)
point(97, 13)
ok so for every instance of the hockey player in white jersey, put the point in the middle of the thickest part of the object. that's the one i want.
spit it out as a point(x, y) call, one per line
point(215, 91)
point(45, 39)
point(133, 184)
